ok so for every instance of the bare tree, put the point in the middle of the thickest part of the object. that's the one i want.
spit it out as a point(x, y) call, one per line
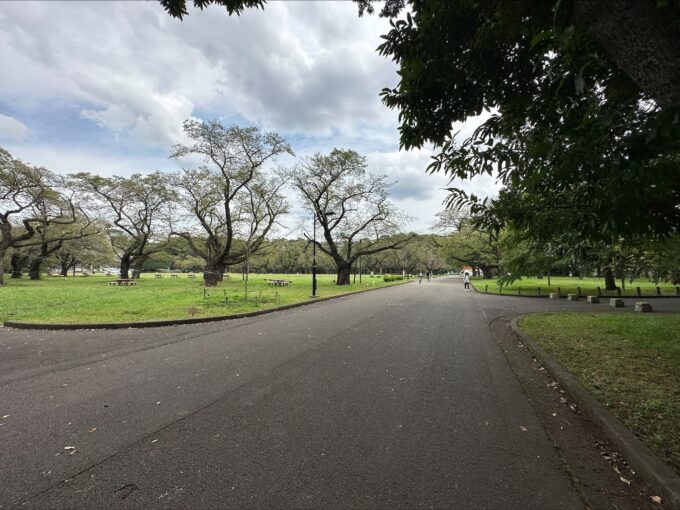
point(231, 203)
point(351, 206)
point(134, 208)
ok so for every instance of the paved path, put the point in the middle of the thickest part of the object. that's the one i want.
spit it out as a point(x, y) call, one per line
point(395, 398)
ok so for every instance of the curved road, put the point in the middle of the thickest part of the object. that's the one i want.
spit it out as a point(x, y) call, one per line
point(399, 397)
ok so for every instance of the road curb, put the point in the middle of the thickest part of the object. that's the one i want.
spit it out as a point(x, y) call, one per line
point(545, 296)
point(659, 475)
point(179, 322)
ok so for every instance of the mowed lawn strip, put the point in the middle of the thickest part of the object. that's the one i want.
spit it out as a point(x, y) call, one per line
point(631, 363)
point(91, 300)
point(569, 285)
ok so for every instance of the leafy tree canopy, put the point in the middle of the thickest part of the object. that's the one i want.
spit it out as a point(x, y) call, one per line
point(178, 8)
point(583, 141)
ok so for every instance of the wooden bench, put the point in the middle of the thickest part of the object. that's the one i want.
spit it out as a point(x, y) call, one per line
point(191, 276)
point(159, 275)
point(174, 276)
point(123, 282)
point(277, 282)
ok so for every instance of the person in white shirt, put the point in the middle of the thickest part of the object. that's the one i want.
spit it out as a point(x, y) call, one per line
point(466, 282)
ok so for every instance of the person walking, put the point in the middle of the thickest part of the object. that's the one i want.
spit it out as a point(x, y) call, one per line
point(420, 278)
point(466, 282)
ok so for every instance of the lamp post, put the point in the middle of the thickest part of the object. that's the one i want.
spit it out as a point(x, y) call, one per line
point(330, 213)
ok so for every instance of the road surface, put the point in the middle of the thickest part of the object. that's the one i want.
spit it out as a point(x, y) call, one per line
point(396, 398)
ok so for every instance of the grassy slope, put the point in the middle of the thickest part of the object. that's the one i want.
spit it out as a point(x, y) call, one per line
point(567, 285)
point(631, 363)
point(91, 299)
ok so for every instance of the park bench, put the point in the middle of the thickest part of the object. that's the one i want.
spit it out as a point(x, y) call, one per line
point(191, 276)
point(158, 275)
point(275, 282)
point(174, 276)
point(123, 282)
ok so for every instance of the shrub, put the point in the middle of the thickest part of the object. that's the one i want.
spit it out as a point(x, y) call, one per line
point(392, 277)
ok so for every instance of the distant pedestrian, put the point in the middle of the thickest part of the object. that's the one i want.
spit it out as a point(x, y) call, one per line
point(466, 282)
point(428, 277)
point(420, 278)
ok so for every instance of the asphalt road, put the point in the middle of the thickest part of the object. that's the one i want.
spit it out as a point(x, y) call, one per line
point(399, 397)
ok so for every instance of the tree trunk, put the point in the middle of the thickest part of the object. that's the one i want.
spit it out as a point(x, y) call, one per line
point(17, 262)
point(125, 266)
point(609, 281)
point(3, 250)
point(34, 268)
point(639, 39)
point(65, 268)
point(343, 274)
point(137, 266)
point(213, 275)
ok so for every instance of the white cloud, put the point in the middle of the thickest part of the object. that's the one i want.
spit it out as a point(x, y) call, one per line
point(306, 69)
point(11, 128)
point(78, 159)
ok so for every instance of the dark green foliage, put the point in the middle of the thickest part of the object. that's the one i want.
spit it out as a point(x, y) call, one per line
point(392, 277)
point(178, 8)
point(584, 155)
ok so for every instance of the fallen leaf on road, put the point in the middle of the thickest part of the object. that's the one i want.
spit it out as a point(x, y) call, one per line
point(93, 429)
point(69, 447)
point(152, 442)
point(624, 480)
point(6, 416)
point(158, 403)
point(524, 429)
point(656, 499)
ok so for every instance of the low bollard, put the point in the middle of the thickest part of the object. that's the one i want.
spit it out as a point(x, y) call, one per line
point(553, 295)
point(572, 297)
point(643, 307)
point(593, 299)
point(616, 302)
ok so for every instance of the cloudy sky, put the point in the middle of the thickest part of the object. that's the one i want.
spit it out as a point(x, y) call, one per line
point(104, 87)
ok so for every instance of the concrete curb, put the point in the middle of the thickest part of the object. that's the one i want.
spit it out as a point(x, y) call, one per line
point(179, 322)
point(659, 475)
point(545, 296)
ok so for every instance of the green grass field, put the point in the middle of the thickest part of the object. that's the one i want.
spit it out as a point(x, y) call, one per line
point(90, 299)
point(631, 363)
point(569, 285)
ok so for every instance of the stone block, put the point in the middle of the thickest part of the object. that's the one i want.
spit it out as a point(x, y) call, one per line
point(554, 295)
point(616, 302)
point(593, 299)
point(572, 297)
point(643, 306)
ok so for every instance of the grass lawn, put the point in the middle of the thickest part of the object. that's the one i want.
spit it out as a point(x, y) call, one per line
point(90, 299)
point(568, 285)
point(631, 363)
